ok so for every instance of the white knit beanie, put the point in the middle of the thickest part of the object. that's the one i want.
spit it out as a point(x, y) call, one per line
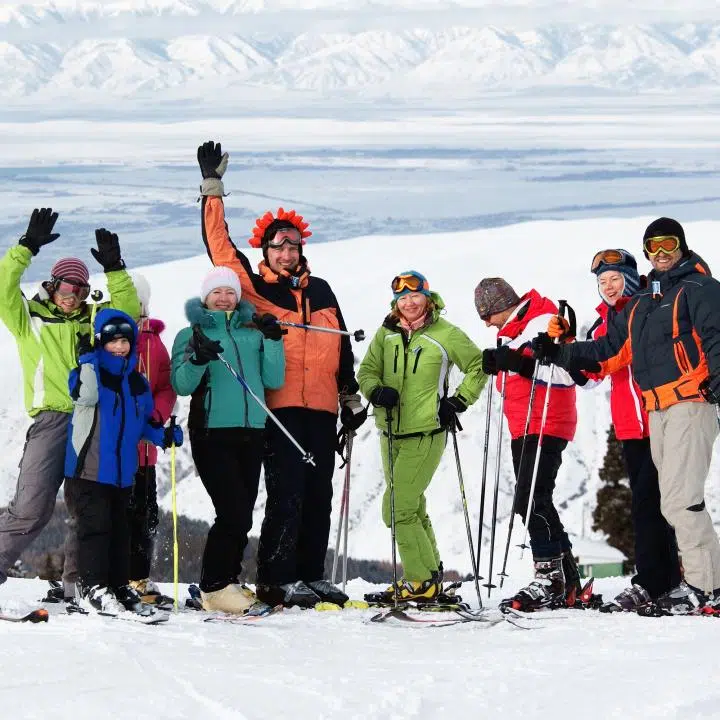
point(142, 287)
point(220, 277)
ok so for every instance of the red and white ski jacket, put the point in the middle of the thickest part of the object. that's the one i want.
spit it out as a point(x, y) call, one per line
point(530, 318)
point(626, 402)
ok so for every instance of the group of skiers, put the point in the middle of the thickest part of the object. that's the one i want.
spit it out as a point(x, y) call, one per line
point(100, 387)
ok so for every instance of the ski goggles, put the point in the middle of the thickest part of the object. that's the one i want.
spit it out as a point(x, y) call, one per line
point(65, 288)
point(612, 257)
point(285, 235)
point(667, 244)
point(114, 330)
point(411, 283)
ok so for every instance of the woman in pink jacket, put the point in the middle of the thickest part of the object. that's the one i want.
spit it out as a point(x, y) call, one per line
point(154, 364)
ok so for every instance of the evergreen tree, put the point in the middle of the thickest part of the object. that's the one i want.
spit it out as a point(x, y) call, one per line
point(612, 513)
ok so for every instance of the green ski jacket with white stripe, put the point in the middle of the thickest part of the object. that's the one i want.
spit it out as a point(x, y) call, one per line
point(419, 368)
point(46, 337)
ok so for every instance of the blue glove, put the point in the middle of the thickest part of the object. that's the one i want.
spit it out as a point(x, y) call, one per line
point(172, 435)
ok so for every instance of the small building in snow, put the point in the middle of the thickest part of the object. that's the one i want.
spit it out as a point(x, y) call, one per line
point(596, 558)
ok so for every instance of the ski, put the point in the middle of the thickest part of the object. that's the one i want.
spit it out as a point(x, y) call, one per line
point(128, 616)
point(241, 619)
point(34, 616)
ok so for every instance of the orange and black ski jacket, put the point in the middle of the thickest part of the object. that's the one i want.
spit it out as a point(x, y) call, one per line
point(669, 333)
point(318, 365)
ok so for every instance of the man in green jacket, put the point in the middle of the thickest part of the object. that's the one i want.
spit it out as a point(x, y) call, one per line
point(47, 329)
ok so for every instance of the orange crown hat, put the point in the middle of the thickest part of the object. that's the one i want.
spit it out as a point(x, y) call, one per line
point(262, 224)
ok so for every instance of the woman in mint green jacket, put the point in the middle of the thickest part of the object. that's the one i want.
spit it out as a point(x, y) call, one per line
point(405, 375)
point(226, 424)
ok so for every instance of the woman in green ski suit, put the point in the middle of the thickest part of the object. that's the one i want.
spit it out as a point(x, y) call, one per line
point(405, 375)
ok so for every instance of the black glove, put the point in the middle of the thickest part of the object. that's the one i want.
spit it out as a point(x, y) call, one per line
point(489, 361)
point(267, 324)
point(545, 351)
point(205, 350)
point(512, 360)
point(385, 397)
point(39, 230)
point(84, 344)
point(352, 412)
point(172, 435)
point(213, 164)
point(108, 250)
point(709, 388)
point(449, 409)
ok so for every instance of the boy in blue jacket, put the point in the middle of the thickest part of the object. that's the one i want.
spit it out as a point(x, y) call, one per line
point(112, 410)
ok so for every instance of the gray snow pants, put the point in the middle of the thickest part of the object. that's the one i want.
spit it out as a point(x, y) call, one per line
point(681, 443)
point(42, 469)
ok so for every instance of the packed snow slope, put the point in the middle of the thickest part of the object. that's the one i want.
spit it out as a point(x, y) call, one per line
point(331, 666)
point(553, 257)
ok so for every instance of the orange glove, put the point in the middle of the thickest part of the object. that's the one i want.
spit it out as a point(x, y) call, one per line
point(559, 328)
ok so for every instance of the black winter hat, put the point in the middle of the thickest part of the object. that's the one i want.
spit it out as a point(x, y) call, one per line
point(666, 226)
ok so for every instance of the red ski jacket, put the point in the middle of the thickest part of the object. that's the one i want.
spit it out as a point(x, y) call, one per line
point(626, 401)
point(154, 364)
point(530, 318)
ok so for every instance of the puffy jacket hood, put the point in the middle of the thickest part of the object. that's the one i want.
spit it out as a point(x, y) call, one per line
point(115, 365)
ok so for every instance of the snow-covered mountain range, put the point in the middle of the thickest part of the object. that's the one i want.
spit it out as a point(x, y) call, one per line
point(232, 52)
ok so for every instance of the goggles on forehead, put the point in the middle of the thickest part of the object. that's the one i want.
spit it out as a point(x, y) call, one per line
point(411, 283)
point(115, 330)
point(661, 243)
point(611, 257)
point(65, 288)
point(285, 235)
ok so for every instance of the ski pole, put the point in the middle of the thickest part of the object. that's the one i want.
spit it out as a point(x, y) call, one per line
point(502, 574)
point(343, 502)
point(358, 335)
point(483, 482)
point(496, 490)
point(173, 492)
point(347, 508)
point(96, 296)
point(391, 483)
point(306, 456)
point(541, 434)
point(463, 500)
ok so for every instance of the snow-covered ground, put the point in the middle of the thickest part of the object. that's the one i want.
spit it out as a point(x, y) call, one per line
point(334, 666)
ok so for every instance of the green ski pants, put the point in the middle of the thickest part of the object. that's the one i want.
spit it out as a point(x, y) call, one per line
point(415, 461)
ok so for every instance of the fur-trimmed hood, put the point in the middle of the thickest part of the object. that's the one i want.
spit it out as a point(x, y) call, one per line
point(197, 314)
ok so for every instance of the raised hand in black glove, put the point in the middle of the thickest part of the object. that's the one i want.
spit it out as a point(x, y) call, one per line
point(545, 351)
point(385, 397)
point(213, 164)
point(352, 412)
point(450, 408)
point(267, 324)
point(39, 230)
point(205, 350)
point(489, 361)
point(108, 250)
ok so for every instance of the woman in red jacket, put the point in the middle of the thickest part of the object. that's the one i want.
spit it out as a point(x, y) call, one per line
point(656, 556)
point(154, 364)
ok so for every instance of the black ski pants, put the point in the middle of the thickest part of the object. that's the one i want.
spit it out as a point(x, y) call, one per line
point(547, 535)
point(103, 536)
point(143, 521)
point(295, 530)
point(656, 555)
point(228, 461)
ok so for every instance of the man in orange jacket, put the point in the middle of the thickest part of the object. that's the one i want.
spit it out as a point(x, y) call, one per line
point(319, 378)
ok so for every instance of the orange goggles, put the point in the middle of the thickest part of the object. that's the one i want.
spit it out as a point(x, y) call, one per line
point(611, 257)
point(412, 283)
point(667, 244)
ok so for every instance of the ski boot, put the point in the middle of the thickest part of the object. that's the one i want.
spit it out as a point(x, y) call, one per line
point(296, 594)
point(129, 598)
point(227, 600)
point(327, 592)
point(682, 600)
point(150, 593)
point(56, 593)
point(406, 591)
point(547, 590)
point(99, 598)
point(629, 600)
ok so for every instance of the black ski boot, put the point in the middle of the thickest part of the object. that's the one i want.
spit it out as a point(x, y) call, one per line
point(128, 598)
point(573, 584)
point(56, 593)
point(547, 590)
point(290, 595)
point(629, 600)
point(327, 592)
point(682, 600)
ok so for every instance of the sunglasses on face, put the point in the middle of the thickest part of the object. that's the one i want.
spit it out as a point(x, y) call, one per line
point(667, 244)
